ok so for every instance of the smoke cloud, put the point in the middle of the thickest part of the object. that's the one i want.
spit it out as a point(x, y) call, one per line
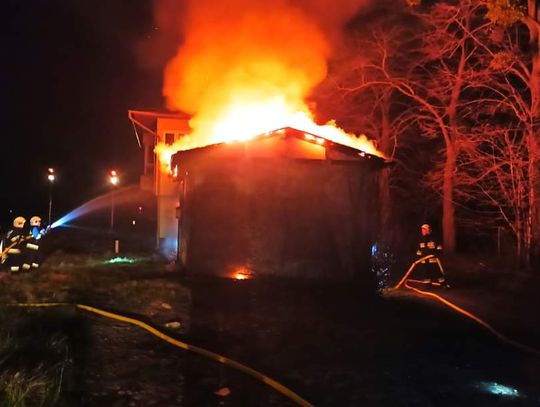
point(278, 45)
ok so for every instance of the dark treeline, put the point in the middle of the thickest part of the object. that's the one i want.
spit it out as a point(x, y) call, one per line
point(451, 92)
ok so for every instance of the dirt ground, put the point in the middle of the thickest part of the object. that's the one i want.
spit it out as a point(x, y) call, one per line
point(332, 344)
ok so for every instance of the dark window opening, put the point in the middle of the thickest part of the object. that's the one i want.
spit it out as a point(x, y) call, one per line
point(150, 156)
point(169, 138)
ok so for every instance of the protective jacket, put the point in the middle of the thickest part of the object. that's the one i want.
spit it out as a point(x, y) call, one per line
point(430, 270)
point(33, 257)
point(13, 253)
point(428, 245)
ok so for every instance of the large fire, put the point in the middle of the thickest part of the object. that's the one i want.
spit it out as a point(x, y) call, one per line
point(246, 67)
point(244, 122)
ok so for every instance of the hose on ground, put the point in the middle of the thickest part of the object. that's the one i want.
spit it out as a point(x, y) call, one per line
point(456, 308)
point(180, 344)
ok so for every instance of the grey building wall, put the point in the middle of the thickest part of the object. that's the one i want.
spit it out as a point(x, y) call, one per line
point(277, 216)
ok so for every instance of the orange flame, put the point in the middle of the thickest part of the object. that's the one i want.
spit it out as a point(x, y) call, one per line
point(242, 273)
point(245, 69)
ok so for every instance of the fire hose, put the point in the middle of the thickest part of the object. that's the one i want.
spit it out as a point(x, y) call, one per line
point(404, 282)
point(11, 246)
point(180, 344)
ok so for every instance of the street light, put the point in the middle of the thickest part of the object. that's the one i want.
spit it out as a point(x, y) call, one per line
point(51, 176)
point(114, 179)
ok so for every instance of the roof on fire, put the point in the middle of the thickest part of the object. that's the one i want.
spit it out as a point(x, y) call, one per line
point(147, 120)
point(330, 149)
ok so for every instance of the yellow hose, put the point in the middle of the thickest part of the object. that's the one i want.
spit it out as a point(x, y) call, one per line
point(413, 265)
point(502, 337)
point(4, 252)
point(195, 349)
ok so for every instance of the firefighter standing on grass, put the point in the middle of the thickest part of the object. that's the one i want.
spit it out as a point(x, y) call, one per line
point(13, 247)
point(430, 268)
point(33, 257)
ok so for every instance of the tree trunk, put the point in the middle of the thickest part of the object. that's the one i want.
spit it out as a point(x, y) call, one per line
point(527, 197)
point(534, 199)
point(449, 221)
point(449, 227)
point(533, 142)
point(384, 177)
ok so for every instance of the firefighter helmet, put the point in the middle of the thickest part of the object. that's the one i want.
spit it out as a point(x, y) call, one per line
point(19, 222)
point(35, 221)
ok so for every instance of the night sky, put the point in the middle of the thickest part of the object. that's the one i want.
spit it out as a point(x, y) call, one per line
point(70, 71)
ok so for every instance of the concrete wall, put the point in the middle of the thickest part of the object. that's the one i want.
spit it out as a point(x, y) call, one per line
point(166, 190)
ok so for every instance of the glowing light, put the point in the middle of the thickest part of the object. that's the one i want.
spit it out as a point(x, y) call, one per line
point(50, 176)
point(169, 247)
point(498, 389)
point(242, 274)
point(120, 260)
point(114, 178)
point(64, 220)
point(133, 222)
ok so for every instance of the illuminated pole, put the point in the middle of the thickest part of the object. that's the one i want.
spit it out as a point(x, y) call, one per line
point(112, 210)
point(51, 177)
point(114, 180)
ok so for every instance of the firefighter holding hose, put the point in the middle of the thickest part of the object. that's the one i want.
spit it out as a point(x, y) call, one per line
point(36, 233)
point(430, 269)
point(12, 256)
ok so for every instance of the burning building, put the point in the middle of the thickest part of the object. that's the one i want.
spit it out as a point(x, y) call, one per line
point(152, 129)
point(287, 202)
point(299, 200)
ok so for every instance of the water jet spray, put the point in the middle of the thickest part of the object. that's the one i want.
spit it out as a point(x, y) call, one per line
point(99, 203)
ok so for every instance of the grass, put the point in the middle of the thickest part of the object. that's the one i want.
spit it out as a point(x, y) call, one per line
point(33, 362)
point(40, 387)
point(43, 351)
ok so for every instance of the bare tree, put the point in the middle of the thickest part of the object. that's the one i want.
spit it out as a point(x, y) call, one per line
point(471, 82)
point(524, 17)
point(439, 62)
point(504, 116)
point(493, 181)
point(378, 111)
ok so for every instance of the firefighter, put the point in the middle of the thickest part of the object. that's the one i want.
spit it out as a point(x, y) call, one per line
point(36, 233)
point(13, 253)
point(431, 268)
